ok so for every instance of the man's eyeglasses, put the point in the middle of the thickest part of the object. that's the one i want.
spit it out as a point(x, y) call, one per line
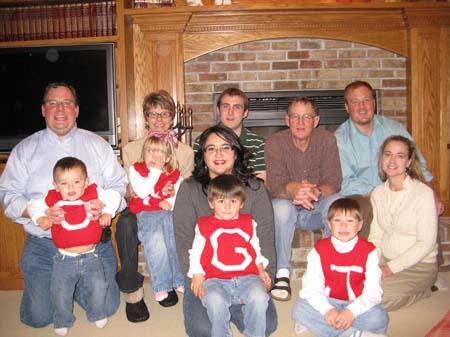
point(163, 114)
point(306, 118)
point(212, 149)
point(53, 103)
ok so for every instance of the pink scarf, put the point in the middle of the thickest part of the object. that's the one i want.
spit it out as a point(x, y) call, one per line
point(166, 137)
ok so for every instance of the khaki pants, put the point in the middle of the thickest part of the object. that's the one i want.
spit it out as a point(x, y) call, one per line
point(408, 286)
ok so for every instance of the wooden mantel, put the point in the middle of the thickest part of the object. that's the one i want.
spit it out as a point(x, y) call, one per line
point(161, 40)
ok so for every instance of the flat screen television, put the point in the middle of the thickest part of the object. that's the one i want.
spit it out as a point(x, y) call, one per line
point(26, 71)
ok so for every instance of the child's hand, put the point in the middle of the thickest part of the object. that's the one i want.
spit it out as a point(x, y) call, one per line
point(44, 222)
point(156, 160)
point(169, 189)
point(165, 205)
point(105, 220)
point(344, 320)
point(197, 285)
point(266, 279)
point(330, 317)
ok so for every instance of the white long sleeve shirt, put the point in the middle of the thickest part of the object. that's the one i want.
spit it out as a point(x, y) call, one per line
point(313, 281)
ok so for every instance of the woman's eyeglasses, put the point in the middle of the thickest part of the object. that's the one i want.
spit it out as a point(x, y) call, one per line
point(212, 149)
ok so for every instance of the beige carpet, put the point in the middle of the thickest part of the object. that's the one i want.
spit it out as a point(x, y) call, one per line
point(414, 321)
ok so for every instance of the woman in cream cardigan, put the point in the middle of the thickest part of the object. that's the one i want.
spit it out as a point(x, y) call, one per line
point(404, 225)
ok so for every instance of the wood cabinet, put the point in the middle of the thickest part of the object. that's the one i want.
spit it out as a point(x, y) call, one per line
point(12, 239)
point(152, 45)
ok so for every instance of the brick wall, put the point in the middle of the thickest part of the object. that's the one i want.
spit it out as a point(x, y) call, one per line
point(294, 64)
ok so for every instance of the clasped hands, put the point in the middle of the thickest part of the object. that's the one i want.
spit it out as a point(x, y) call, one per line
point(339, 320)
point(303, 193)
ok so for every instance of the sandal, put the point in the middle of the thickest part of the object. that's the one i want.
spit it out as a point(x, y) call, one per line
point(281, 290)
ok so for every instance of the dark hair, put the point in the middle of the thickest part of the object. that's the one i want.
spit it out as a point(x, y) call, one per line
point(55, 85)
point(233, 92)
point(226, 186)
point(355, 85)
point(415, 168)
point(241, 167)
point(158, 98)
point(303, 100)
point(69, 163)
point(345, 205)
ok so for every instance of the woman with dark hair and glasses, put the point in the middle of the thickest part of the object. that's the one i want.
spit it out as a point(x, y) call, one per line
point(220, 153)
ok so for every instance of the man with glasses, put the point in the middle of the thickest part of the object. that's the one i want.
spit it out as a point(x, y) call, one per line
point(303, 176)
point(359, 139)
point(28, 175)
point(159, 111)
point(232, 109)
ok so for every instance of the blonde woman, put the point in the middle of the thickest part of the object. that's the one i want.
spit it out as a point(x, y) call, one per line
point(404, 226)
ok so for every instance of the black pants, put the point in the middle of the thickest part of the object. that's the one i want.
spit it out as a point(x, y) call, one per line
point(128, 278)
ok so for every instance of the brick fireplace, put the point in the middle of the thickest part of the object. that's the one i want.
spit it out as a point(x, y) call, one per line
point(296, 65)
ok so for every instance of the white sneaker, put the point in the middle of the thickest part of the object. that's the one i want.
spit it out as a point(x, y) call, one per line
point(61, 331)
point(300, 328)
point(101, 323)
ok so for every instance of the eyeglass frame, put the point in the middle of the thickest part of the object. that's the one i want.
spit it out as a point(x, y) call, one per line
point(54, 104)
point(154, 114)
point(305, 118)
point(212, 149)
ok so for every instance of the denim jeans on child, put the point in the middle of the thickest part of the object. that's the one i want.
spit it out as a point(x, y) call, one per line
point(36, 308)
point(374, 320)
point(197, 324)
point(155, 232)
point(248, 290)
point(288, 217)
point(85, 275)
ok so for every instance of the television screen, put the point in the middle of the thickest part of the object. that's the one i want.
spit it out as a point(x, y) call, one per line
point(25, 72)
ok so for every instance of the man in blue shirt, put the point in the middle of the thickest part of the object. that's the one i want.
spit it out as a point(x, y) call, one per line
point(28, 175)
point(358, 140)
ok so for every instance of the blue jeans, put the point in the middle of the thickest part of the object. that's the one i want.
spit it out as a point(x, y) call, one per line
point(374, 320)
point(248, 290)
point(85, 274)
point(155, 231)
point(36, 308)
point(287, 218)
point(197, 323)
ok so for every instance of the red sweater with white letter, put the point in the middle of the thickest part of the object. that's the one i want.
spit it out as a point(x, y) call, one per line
point(77, 228)
point(225, 248)
point(151, 201)
point(341, 268)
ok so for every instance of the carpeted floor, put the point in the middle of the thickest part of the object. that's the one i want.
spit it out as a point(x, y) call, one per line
point(414, 321)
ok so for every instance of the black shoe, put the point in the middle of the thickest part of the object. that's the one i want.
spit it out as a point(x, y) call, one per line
point(137, 312)
point(170, 300)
